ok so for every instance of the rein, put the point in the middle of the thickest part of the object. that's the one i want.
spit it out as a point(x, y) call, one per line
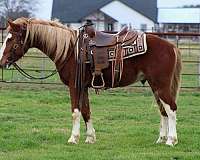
point(23, 72)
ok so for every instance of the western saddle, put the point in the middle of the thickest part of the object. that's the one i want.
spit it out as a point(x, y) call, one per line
point(103, 39)
point(95, 45)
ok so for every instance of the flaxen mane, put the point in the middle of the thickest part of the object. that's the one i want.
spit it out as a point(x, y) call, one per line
point(53, 35)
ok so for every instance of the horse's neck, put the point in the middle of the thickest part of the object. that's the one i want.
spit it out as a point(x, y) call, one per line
point(44, 44)
point(39, 44)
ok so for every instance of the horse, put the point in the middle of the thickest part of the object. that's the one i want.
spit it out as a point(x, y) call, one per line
point(160, 66)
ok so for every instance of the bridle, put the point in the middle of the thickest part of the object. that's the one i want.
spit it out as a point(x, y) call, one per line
point(11, 58)
point(19, 43)
point(22, 42)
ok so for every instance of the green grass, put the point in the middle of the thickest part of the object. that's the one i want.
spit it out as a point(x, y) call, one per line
point(36, 124)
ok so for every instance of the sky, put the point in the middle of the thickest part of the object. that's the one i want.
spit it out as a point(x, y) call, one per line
point(44, 9)
point(45, 6)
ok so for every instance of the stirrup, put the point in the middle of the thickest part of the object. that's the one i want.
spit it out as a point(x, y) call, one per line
point(93, 79)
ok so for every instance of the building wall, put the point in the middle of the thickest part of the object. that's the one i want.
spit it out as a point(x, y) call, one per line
point(119, 15)
point(74, 25)
point(100, 21)
point(174, 17)
point(179, 15)
point(127, 16)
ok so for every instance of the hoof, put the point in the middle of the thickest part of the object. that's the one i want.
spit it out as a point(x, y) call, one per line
point(74, 139)
point(91, 138)
point(161, 140)
point(171, 141)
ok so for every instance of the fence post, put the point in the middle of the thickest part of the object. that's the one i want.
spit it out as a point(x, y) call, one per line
point(2, 31)
point(177, 41)
point(199, 71)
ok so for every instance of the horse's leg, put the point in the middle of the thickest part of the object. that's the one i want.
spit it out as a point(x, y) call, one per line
point(167, 102)
point(163, 122)
point(85, 110)
point(76, 114)
point(170, 109)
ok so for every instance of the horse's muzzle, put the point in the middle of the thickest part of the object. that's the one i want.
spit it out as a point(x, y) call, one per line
point(6, 65)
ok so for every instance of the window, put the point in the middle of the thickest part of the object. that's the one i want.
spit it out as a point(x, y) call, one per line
point(110, 27)
point(143, 27)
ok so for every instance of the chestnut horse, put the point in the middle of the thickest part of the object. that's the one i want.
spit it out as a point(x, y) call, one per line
point(160, 66)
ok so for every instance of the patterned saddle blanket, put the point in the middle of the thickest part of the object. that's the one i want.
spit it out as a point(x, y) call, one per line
point(135, 48)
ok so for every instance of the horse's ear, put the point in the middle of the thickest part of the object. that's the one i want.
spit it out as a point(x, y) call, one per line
point(15, 27)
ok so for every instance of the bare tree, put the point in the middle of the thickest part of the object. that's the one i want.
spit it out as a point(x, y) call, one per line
point(16, 8)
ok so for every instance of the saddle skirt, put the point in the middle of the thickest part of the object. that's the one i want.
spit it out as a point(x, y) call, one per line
point(135, 48)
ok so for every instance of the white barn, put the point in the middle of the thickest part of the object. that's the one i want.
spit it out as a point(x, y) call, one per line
point(182, 16)
point(109, 15)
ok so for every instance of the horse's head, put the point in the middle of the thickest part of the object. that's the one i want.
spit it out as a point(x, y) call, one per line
point(13, 47)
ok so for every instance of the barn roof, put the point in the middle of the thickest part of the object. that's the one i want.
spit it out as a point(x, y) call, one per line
point(73, 11)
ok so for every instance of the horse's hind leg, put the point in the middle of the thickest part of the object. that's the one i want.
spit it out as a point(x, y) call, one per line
point(168, 103)
point(163, 122)
point(171, 112)
point(85, 110)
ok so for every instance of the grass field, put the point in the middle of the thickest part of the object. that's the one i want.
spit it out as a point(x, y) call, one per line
point(35, 124)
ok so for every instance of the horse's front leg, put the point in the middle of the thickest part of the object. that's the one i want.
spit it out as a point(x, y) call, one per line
point(76, 114)
point(85, 110)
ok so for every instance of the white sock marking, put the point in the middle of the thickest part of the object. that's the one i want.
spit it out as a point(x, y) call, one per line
point(76, 122)
point(76, 127)
point(163, 126)
point(4, 45)
point(91, 137)
point(90, 128)
point(172, 134)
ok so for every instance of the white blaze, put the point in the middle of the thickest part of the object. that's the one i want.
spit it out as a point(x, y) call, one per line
point(4, 45)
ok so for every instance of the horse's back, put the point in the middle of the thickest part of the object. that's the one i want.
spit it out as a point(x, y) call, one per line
point(160, 42)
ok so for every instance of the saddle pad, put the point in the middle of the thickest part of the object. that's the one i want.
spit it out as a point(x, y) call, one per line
point(138, 47)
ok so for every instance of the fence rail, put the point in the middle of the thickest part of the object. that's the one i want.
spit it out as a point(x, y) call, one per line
point(40, 65)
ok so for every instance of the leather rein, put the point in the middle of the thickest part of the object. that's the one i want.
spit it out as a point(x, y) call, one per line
point(21, 70)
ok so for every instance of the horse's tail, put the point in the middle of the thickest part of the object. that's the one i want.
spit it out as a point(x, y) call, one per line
point(175, 86)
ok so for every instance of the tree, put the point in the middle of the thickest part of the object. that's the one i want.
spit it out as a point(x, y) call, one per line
point(14, 9)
